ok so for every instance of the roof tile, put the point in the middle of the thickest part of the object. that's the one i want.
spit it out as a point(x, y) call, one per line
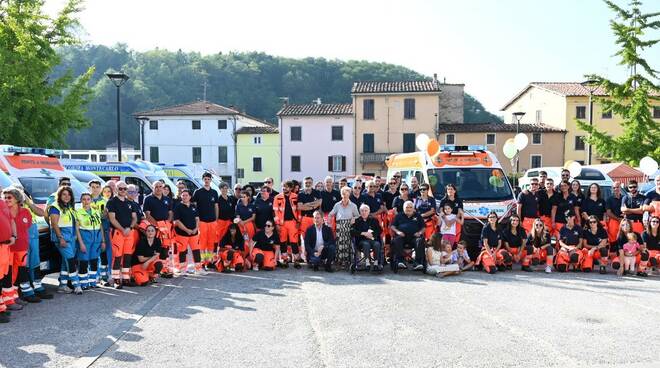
point(192, 108)
point(395, 86)
point(258, 130)
point(497, 128)
point(316, 109)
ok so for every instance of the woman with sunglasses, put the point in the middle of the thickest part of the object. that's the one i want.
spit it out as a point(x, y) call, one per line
point(232, 250)
point(616, 247)
point(650, 246)
point(539, 246)
point(63, 233)
point(514, 238)
point(451, 197)
point(594, 245)
point(263, 207)
point(264, 247)
point(246, 213)
point(425, 206)
point(186, 227)
point(90, 240)
point(492, 257)
point(403, 197)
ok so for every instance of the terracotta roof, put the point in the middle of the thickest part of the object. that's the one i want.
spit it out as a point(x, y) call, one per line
point(497, 128)
point(395, 86)
point(192, 108)
point(566, 89)
point(316, 109)
point(258, 130)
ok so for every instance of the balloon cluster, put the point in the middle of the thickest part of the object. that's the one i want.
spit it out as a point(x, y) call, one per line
point(496, 179)
point(515, 144)
point(431, 146)
point(648, 165)
point(574, 167)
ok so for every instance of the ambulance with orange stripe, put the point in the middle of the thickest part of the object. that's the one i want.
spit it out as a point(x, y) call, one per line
point(477, 174)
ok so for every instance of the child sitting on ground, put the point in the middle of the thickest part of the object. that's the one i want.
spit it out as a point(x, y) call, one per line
point(461, 257)
point(630, 251)
point(438, 257)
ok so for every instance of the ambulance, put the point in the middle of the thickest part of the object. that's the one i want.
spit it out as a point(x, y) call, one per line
point(476, 173)
point(191, 177)
point(141, 173)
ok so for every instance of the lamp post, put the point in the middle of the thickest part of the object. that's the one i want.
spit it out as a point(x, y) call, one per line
point(591, 86)
point(142, 120)
point(518, 115)
point(118, 79)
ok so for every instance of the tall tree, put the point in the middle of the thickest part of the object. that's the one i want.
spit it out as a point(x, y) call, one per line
point(37, 108)
point(630, 99)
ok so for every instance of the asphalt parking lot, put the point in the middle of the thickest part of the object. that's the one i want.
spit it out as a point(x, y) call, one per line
point(291, 318)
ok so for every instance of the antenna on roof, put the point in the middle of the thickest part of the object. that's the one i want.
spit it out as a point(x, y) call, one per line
point(205, 85)
point(285, 100)
point(317, 101)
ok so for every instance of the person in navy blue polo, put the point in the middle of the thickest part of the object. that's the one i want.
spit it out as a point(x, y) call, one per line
point(157, 207)
point(632, 207)
point(409, 229)
point(372, 199)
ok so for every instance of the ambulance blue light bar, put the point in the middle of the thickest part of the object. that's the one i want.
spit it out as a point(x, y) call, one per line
point(31, 150)
point(454, 148)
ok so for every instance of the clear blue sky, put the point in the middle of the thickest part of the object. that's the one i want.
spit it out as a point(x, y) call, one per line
point(494, 47)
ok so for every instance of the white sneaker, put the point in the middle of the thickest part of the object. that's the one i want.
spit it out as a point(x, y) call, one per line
point(64, 290)
point(402, 266)
point(190, 272)
point(202, 272)
point(548, 269)
point(419, 267)
point(255, 267)
point(78, 290)
point(177, 272)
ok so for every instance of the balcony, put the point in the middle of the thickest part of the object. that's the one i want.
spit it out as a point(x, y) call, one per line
point(371, 158)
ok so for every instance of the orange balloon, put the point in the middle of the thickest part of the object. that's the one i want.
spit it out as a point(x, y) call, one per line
point(433, 148)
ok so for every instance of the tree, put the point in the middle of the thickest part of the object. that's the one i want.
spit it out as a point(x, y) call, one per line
point(36, 107)
point(630, 100)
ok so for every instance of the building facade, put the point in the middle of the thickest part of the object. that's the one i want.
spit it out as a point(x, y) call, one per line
point(316, 140)
point(258, 155)
point(544, 148)
point(198, 133)
point(559, 105)
point(389, 115)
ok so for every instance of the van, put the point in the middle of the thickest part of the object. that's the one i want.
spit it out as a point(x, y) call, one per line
point(84, 177)
point(476, 173)
point(588, 175)
point(140, 173)
point(191, 177)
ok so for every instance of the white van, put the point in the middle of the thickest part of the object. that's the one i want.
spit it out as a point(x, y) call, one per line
point(476, 173)
point(588, 176)
point(191, 177)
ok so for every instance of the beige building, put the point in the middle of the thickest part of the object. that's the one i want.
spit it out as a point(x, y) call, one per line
point(544, 149)
point(389, 115)
point(558, 105)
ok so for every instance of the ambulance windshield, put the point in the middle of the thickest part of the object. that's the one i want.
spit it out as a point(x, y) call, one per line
point(473, 184)
point(40, 188)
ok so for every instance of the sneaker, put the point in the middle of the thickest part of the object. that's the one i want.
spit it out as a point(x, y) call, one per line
point(14, 307)
point(118, 286)
point(642, 274)
point(177, 272)
point(296, 265)
point(78, 290)
point(64, 290)
point(166, 275)
point(315, 267)
point(401, 266)
point(419, 267)
point(44, 295)
point(548, 269)
point(32, 299)
point(105, 283)
point(203, 272)
point(255, 267)
point(191, 272)
point(603, 270)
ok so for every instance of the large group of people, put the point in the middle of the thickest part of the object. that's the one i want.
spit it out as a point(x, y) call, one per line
point(110, 240)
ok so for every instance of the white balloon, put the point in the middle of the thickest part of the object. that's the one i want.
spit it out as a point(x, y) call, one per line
point(574, 168)
point(648, 165)
point(521, 141)
point(422, 141)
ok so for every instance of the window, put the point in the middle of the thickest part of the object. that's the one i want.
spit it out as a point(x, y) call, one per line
point(256, 139)
point(536, 138)
point(336, 163)
point(256, 164)
point(295, 163)
point(337, 133)
point(535, 161)
point(408, 142)
point(197, 155)
point(450, 139)
point(296, 133)
point(579, 143)
point(656, 112)
point(368, 107)
point(197, 124)
point(490, 138)
point(240, 173)
point(222, 124)
point(580, 112)
point(368, 143)
point(539, 116)
point(153, 124)
point(409, 108)
point(606, 115)
point(222, 154)
point(153, 154)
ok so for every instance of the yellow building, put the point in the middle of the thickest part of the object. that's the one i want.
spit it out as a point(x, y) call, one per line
point(258, 155)
point(558, 105)
point(388, 116)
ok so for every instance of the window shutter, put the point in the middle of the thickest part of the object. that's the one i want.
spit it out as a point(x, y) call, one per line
point(329, 163)
point(343, 163)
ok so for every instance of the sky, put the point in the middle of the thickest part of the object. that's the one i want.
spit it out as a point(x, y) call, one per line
point(494, 47)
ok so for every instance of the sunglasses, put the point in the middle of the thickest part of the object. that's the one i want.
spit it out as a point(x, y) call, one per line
point(404, 189)
point(539, 225)
point(133, 191)
point(535, 184)
point(268, 225)
point(397, 176)
point(632, 187)
point(268, 182)
point(593, 222)
point(492, 218)
point(65, 184)
point(122, 188)
point(655, 222)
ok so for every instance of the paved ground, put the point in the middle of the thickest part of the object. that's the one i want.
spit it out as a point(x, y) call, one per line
point(304, 319)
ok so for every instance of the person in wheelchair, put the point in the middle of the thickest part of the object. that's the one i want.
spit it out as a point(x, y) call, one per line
point(408, 228)
point(366, 231)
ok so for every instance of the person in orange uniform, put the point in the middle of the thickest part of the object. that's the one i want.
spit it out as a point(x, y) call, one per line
point(146, 263)
point(158, 211)
point(528, 205)
point(226, 211)
point(186, 228)
point(7, 239)
point(206, 201)
point(265, 245)
point(632, 207)
point(123, 219)
point(233, 251)
point(285, 206)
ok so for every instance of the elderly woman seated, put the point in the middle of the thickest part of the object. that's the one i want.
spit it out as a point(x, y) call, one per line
point(366, 230)
point(408, 228)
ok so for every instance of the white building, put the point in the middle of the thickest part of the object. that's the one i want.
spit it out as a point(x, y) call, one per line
point(316, 140)
point(200, 133)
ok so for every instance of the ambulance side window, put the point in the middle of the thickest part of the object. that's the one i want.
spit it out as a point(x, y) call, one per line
point(143, 188)
point(405, 176)
point(420, 177)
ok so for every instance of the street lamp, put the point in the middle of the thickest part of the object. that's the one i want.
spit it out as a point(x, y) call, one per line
point(142, 120)
point(591, 86)
point(518, 115)
point(118, 79)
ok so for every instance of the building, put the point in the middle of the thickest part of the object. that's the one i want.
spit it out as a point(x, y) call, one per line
point(316, 140)
point(389, 115)
point(200, 133)
point(542, 150)
point(559, 105)
point(258, 155)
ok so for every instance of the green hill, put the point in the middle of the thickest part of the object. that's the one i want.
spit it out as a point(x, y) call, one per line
point(252, 81)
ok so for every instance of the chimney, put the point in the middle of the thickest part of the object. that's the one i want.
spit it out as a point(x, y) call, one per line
point(435, 77)
point(317, 101)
